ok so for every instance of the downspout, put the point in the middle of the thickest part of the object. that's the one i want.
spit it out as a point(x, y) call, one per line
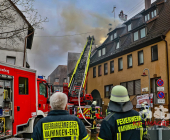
point(25, 46)
point(167, 70)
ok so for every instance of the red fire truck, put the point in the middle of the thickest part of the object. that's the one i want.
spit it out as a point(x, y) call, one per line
point(22, 101)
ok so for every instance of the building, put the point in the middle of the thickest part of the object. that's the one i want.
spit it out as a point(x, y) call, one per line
point(58, 77)
point(71, 63)
point(13, 50)
point(141, 42)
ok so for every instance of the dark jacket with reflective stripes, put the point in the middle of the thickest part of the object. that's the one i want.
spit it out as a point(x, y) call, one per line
point(92, 112)
point(122, 126)
point(59, 116)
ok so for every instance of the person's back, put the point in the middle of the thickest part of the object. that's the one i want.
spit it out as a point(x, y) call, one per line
point(121, 126)
point(59, 124)
point(122, 123)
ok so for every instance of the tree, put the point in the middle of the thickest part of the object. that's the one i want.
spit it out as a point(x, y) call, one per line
point(10, 17)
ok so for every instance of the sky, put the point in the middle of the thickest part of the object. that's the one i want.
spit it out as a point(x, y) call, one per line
point(69, 24)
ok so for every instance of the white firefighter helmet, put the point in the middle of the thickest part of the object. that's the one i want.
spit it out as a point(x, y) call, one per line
point(94, 103)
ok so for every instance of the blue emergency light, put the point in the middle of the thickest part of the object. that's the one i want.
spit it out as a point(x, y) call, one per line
point(41, 77)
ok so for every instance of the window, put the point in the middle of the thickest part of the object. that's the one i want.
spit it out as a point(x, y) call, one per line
point(11, 60)
point(23, 86)
point(115, 35)
point(153, 13)
point(129, 27)
point(43, 89)
point(103, 51)
point(111, 37)
point(137, 87)
point(99, 70)
point(140, 57)
point(99, 53)
point(129, 59)
point(94, 72)
point(105, 69)
point(120, 64)
point(147, 17)
point(124, 84)
point(57, 80)
point(154, 50)
point(65, 80)
point(142, 33)
point(111, 66)
point(117, 45)
point(136, 37)
point(133, 87)
point(130, 87)
point(108, 89)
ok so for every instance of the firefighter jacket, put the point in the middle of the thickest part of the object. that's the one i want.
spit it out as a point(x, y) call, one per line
point(108, 111)
point(60, 125)
point(122, 126)
point(92, 112)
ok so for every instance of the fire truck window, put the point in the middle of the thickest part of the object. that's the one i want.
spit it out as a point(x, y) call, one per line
point(43, 90)
point(23, 86)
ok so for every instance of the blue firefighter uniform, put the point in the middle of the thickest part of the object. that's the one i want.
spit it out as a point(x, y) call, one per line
point(122, 126)
point(60, 125)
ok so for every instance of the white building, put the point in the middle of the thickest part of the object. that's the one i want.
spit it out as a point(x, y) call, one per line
point(12, 49)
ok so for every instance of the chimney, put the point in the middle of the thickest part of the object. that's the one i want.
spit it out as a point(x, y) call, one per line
point(147, 4)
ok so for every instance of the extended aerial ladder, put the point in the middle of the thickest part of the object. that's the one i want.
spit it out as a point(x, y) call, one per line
point(79, 76)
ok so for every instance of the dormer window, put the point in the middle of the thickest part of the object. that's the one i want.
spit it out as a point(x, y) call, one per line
point(103, 51)
point(136, 36)
point(129, 27)
point(115, 35)
point(99, 53)
point(147, 17)
point(142, 33)
point(154, 13)
point(117, 45)
point(111, 37)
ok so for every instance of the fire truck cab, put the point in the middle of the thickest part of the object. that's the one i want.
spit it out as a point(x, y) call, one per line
point(23, 100)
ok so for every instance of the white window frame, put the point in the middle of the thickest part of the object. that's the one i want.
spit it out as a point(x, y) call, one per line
point(117, 45)
point(141, 34)
point(9, 58)
point(129, 26)
point(137, 36)
point(111, 37)
point(56, 79)
point(99, 53)
point(103, 51)
point(115, 35)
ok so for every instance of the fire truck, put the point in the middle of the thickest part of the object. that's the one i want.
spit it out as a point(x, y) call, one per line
point(24, 100)
point(77, 99)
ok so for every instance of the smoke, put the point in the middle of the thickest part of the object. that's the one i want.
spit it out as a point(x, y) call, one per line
point(70, 20)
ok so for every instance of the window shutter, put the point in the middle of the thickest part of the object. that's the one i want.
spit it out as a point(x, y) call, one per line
point(137, 87)
point(130, 88)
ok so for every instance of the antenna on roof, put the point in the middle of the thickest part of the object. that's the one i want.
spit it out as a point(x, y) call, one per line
point(114, 12)
point(122, 16)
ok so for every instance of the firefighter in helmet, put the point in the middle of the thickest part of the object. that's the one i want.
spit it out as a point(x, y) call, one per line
point(123, 123)
point(108, 110)
point(93, 117)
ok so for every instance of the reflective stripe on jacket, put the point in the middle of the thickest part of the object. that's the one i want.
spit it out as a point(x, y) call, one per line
point(122, 126)
point(60, 125)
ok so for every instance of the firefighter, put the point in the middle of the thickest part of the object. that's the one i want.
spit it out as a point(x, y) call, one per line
point(123, 123)
point(93, 117)
point(59, 124)
point(108, 110)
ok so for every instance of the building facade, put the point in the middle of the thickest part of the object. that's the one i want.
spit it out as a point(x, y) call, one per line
point(58, 77)
point(13, 49)
point(141, 42)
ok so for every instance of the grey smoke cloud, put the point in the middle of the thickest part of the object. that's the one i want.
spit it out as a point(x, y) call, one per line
point(49, 52)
